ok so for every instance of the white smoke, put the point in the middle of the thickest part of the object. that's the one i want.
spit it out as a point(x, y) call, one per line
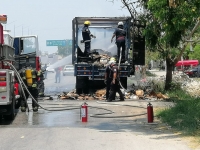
point(65, 61)
point(102, 40)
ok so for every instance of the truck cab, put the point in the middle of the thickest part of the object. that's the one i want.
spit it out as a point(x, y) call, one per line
point(26, 51)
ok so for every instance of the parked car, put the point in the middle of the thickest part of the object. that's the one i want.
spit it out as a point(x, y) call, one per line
point(195, 72)
point(49, 69)
point(68, 70)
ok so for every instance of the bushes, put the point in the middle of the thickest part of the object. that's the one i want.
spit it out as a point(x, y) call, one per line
point(184, 116)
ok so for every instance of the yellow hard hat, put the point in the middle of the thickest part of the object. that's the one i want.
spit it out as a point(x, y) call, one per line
point(87, 23)
point(112, 59)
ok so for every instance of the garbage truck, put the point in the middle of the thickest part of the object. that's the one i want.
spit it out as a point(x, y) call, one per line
point(90, 70)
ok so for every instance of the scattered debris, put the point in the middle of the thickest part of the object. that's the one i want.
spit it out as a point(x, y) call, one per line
point(145, 89)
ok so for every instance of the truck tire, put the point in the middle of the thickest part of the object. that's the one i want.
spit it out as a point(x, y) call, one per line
point(11, 116)
point(79, 90)
point(82, 85)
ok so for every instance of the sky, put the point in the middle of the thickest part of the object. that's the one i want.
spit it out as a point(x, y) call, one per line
point(52, 20)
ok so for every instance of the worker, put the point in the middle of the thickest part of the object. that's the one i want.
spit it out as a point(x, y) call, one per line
point(87, 37)
point(120, 35)
point(41, 78)
point(45, 71)
point(58, 74)
point(30, 78)
point(108, 77)
point(114, 86)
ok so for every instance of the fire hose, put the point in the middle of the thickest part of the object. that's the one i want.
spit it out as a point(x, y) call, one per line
point(72, 107)
point(119, 68)
point(121, 116)
point(23, 92)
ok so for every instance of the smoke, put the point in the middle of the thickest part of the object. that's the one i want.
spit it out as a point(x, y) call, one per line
point(65, 61)
point(102, 40)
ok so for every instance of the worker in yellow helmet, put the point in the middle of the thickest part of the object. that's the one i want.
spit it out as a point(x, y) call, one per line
point(87, 37)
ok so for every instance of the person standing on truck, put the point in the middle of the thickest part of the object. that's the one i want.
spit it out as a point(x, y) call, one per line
point(114, 86)
point(87, 37)
point(120, 35)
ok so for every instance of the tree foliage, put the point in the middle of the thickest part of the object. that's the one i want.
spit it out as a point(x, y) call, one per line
point(195, 54)
point(169, 26)
point(64, 50)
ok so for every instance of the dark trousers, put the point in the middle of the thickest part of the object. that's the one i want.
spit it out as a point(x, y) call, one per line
point(45, 74)
point(41, 87)
point(57, 78)
point(108, 83)
point(113, 89)
point(87, 47)
point(121, 44)
point(34, 93)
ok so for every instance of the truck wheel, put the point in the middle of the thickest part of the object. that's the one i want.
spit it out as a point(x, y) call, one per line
point(79, 90)
point(11, 116)
point(82, 85)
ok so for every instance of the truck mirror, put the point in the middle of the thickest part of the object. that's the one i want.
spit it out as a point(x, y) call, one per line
point(21, 45)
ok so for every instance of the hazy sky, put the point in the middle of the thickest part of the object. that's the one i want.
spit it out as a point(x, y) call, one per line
point(52, 19)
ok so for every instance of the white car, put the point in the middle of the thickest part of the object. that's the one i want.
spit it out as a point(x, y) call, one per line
point(68, 70)
point(49, 69)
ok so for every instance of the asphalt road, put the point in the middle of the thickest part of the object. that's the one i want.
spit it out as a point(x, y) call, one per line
point(67, 83)
point(61, 130)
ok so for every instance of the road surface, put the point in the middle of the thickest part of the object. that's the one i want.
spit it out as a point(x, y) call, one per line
point(63, 130)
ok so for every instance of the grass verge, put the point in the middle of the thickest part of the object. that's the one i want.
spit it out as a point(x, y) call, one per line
point(185, 115)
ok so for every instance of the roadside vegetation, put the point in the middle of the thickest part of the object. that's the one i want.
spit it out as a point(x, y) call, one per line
point(184, 116)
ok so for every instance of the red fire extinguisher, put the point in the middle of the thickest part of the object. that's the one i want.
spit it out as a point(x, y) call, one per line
point(150, 113)
point(84, 112)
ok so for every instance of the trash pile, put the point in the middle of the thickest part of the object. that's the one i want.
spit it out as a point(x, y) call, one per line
point(192, 88)
point(145, 90)
point(98, 95)
point(101, 95)
point(97, 57)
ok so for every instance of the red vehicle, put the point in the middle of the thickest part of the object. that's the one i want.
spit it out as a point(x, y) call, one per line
point(195, 72)
point(189, 67)
point(187, 63)
point(7, 89)
point(17, 51)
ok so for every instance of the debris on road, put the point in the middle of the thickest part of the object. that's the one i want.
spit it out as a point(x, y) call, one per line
point(146, 89)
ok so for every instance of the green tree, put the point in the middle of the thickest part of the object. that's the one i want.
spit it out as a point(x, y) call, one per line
point(170, 24)
point(196, 53)
point(170, 28)
point(64, 50)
